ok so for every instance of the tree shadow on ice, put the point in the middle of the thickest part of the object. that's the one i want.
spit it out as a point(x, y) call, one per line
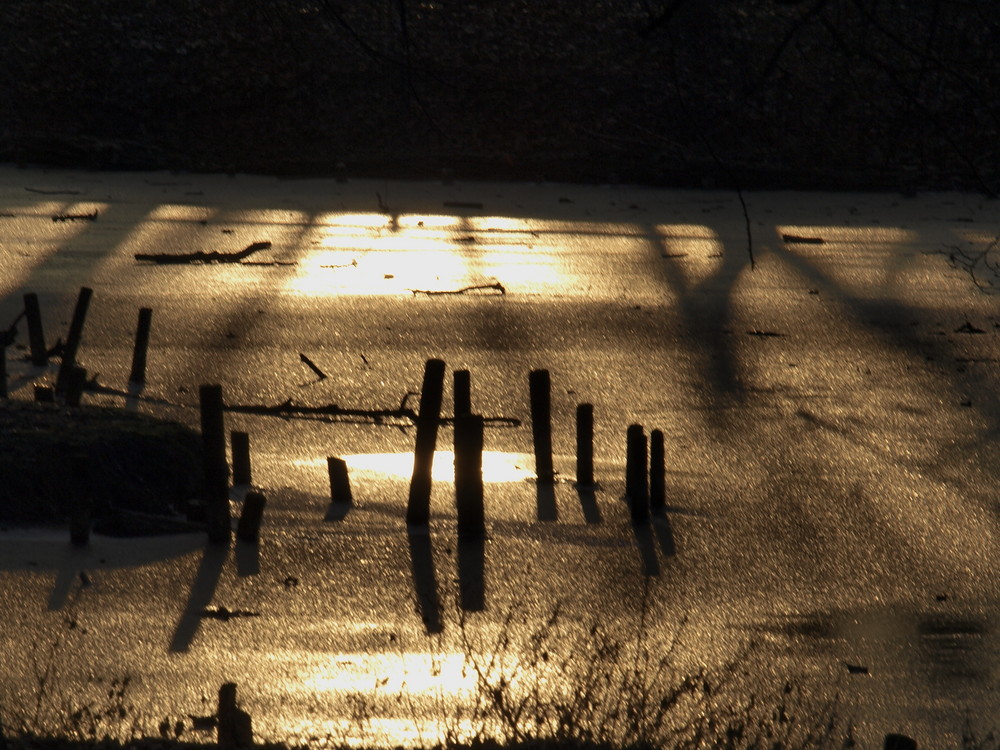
point(705, 308)
point(203, 588)
point(247, 555)
point(72, 263)
point(647, 549)
point(588, 505)
point(894, 322)
point(424, 579)
point(78, 566)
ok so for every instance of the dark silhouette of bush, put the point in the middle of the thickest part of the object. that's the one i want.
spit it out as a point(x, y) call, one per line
point(806, 92)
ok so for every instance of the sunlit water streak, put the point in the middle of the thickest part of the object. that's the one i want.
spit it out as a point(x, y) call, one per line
point(498, 466)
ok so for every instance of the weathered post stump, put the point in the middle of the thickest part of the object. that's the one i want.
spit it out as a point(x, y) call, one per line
point(469, 476)
point(138, 374)
point(248, 527)
point(79, 522)
point(657, 481)
point(899, 742)
point(340, 481)
point(636, 474)
point(585, 445)
point(36, 337)
point(463, 393)
point(428, 418)
point(213, 438)
point(240, 446)
point(73, 340)
point(74, 386)
point(235, 726)
point(540, 390)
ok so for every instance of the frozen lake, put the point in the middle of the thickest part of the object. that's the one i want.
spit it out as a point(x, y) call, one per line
point(830, 414)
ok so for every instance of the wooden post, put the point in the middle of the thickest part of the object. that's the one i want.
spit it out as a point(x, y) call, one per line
point(657, 483)
point(240, 447)
point(469, 476)
point(36, 338)
point(248, 527)
point(79, 522)
point(73, 340)
point(213, 437)
point(235, 726)
point(138, 374)
point(540, 388)
point(418, 506)
point(340, 481)
point(74, 385)
point(585, 445)
point(636, 474)
point(463, 393)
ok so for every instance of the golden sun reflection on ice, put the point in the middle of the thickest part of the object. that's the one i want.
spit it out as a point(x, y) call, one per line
point(498, 467)
point(395, 699)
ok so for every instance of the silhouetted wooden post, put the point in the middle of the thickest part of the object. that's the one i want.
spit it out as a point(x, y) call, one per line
point(340, 481)
point(248, 527)
point(234, 730)
point(636, 474)
point(585, 445)
point(463, 393)
point(239, 445)
point(213, 438)
point(469, 475)
point(73, 340)
point(36, 338)
point(74, 385)
point(418, 506)
point(899, 742)
point(138, 374)
point(540, 389)
point(79, 522)
point(3, 372)
point(657, 483)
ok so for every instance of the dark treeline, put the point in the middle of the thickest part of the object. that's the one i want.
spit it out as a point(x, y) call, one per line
point(892, 93)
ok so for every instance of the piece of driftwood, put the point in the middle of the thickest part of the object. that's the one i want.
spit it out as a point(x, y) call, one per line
point(52, 192)
point(312, 366)
point(474, 288)
point(76, 217)
point(287, 409)
point(203, 257)
point(225, 614)
point(800, 240)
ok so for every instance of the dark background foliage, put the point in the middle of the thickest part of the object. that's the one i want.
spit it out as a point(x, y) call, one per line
point(879, 93)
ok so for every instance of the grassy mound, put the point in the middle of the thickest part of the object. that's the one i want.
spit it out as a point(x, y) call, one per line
point(52, 457)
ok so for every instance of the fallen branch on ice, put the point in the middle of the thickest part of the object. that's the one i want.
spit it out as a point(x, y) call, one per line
point(202, 257)
point(474, 288)
point(392, 417)
point(76, 217)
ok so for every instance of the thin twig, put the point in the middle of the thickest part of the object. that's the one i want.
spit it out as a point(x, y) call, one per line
point(312, 366)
